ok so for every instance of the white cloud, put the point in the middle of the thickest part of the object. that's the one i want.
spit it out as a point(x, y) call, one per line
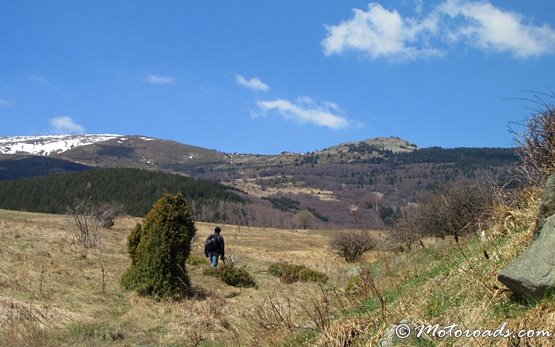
point(495, 29)
point(254, 83)
point(65, 124)
point(160, 80)
point(381, 33)
point(306, 110)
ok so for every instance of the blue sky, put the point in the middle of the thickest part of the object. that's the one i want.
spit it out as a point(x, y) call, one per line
point(270, 76)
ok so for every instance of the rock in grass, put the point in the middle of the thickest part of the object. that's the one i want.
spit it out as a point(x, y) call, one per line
point(532, 274)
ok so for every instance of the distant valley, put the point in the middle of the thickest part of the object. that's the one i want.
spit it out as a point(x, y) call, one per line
point(365, 182)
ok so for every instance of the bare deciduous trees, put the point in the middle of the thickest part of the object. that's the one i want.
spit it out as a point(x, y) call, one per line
point(537, 141)
point(455, 210)
point(85, 217)
point(89, 219)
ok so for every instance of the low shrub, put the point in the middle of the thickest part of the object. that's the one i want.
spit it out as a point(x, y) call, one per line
point(232, 275)
point(290, 273)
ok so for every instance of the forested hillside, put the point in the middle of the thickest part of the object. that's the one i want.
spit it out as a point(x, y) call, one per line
point(134, 189)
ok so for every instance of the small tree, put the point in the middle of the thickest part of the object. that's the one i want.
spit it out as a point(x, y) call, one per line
point(352, 244)
point(405, 230)
point(159, 248)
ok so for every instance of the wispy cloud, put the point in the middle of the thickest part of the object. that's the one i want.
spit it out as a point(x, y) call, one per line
point(39, 79)
point(65, 124)
point(307, 110)
point(5, 103)
point(159, 79)
point(382, 33)
point(254, 83)
point(419, 6)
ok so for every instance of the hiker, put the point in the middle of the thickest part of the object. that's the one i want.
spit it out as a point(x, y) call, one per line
point(214, 247)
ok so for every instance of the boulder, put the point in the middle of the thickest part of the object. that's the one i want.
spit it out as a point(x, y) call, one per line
point(532, 274)
point(547, 205)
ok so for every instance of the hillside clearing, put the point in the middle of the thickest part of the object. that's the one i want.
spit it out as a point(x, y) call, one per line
point(53, 291)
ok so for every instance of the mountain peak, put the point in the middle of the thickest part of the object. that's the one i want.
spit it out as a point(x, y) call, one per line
point(391, 143)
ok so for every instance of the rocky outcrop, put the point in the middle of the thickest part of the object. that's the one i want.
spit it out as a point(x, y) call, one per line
point(532, 274)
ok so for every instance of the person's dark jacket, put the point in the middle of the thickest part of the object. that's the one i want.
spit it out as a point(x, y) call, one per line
point(220, 245)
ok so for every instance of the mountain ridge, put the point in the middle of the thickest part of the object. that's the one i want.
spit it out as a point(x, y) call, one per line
point(380, 175)
point(58, 144)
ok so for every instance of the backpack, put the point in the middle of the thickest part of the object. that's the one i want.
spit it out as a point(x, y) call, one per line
point(211, 244)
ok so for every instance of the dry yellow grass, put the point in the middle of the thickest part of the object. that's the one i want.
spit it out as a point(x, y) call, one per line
point(51, 291)
point(54, 292)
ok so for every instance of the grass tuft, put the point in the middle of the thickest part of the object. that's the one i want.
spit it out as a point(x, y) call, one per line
point(232, 275)
point(290, 273)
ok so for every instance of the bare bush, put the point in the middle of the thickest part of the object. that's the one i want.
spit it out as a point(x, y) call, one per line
point(90, 218)
point(88, 224)
point(352, 244)
point(537, 141)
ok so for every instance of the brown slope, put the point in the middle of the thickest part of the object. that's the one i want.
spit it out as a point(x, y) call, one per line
point(145, 153)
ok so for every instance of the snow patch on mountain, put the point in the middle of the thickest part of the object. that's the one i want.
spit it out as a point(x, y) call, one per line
point(49, 144)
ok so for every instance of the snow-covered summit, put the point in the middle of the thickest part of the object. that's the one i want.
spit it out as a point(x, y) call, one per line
point(49, 144)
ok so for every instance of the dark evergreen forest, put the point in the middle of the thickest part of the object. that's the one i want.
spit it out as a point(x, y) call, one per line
point(136, 190)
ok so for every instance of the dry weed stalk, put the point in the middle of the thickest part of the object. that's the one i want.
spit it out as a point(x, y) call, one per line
point(103, 278)
point(196, 338)
point(345, 332)
point(275, 314)
point(278, 315)
point(474, 271)
point(319, 311)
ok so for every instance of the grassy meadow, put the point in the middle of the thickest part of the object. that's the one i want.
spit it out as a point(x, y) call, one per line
point(54, 292)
